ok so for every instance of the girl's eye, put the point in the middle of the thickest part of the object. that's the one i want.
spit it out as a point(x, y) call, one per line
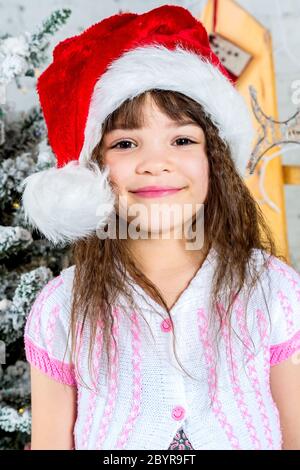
point(128, 141)
point(121, 141)
point(185, 138)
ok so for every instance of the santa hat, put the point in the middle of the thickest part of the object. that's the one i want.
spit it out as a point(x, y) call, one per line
point(90, 76)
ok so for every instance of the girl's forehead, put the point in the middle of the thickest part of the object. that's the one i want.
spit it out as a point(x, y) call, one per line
point(145, 111)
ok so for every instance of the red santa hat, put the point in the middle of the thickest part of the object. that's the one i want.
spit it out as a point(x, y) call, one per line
point(90, 76)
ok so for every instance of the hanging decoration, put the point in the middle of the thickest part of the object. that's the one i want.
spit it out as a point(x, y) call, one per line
point(232, 57)
point(271, 132)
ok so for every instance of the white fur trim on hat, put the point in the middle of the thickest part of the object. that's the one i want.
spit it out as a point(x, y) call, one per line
point(68, 203)
point(156, 66)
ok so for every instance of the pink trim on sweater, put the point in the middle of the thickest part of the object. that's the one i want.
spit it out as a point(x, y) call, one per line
point(92, 399)
point(50, 330)
point(289, 272)
point(265, 338)
point(79, 371)
point(253, 374)
point(38, 305)
point(58, 370)
point(137, 382)
point(264, 335)
point(282, 351)
point(288, 310)
point(236, 383)
point(113, 385)
point(79, 346)
point(211, 378)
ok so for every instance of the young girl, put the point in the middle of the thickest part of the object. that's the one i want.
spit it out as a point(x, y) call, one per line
point(150, 340)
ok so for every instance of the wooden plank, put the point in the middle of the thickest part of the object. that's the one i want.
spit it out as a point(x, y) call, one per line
point(291, 174)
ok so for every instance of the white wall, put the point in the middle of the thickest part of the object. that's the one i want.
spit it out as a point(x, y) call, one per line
point(281, 17)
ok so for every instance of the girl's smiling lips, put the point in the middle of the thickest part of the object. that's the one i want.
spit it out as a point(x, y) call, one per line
point(156, 191)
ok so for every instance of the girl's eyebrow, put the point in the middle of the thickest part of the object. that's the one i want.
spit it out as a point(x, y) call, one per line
point(183, 123)
point(180, 123)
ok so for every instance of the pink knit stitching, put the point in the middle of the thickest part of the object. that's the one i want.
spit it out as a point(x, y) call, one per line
point(282, 351)
point(137, 383)
point(50, 328)
point(264, 336)
point(288, 310)
point(217, 405)
point(92, 399)
point(289, 273)
point(252, 371)
point(79, 369)
point(112, 387)
point(38, 305)
point(58, 370)
point(238, 392)
point(78, 348)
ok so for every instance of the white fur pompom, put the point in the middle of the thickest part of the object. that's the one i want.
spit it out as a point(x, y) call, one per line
point(68, 203)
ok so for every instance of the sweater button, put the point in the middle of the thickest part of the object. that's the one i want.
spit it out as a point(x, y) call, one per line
point(178, 413)
point(166, 325)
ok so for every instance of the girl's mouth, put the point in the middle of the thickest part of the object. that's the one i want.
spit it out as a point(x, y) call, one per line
point(157, 193)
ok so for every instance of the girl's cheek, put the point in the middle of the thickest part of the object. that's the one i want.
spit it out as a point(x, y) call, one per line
point(120, 173)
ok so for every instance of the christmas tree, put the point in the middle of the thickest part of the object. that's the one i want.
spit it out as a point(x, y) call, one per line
point(27, 260)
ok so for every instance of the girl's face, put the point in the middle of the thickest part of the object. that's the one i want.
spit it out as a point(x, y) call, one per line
point(164, 153)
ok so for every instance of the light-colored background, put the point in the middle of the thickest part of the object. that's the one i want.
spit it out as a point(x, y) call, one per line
point(281, 17)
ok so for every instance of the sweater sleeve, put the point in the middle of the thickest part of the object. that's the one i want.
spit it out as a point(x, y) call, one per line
point(46, 333)
point(285, 327)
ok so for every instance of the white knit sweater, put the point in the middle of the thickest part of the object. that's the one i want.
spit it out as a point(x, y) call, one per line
point(147, 397)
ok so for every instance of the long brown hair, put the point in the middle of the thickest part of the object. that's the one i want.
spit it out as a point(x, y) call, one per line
point(234, 225)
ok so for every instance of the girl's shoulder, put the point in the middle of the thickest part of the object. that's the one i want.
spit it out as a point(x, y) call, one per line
point(277, 271)
point(46, 333)
point(282, 282)
point(67, 275)
point(54, 299)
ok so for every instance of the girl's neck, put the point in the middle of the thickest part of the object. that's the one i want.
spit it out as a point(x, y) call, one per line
point(165, 258)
